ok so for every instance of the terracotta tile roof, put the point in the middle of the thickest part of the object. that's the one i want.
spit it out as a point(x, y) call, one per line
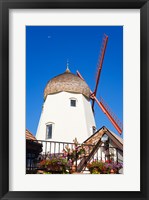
point(29, 135)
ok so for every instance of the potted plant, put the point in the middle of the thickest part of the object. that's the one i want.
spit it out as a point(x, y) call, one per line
point(95, 167)
point(56, 165)
point(107, 167)
point(73, 154)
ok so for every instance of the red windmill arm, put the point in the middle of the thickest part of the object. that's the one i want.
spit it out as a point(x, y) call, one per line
point(105, 108)
point(99, 65)
point(111, 116)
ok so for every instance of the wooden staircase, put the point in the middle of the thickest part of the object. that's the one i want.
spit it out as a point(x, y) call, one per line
point(95, 142)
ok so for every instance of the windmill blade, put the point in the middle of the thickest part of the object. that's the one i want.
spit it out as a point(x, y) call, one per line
point(99, 65)
point(106, 110)
point(111, 116)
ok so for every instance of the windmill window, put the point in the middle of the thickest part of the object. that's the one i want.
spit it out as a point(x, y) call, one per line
point(49, 128)
point(73, 103)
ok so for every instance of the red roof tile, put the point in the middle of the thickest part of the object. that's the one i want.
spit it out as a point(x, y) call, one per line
point(29, 135)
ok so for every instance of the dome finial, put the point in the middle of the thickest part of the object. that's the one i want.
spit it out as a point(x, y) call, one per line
point(67, 67)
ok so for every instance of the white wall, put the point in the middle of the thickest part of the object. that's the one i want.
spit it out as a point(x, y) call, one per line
point(69, 122)
point(90, 120)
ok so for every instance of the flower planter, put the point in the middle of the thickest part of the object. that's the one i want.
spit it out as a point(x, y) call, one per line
point(108, 167)
point(55, 165)
point(112, 171)
point(73, 169)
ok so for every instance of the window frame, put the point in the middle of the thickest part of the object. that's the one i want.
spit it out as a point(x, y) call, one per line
point(73, 99)
point(52, 126)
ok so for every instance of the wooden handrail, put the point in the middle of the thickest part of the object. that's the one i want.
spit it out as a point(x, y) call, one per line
point(85, 160)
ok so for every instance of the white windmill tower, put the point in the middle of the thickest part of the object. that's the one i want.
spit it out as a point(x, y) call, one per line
point(66, 112)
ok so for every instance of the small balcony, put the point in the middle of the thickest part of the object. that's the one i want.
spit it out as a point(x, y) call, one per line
point(81, 155)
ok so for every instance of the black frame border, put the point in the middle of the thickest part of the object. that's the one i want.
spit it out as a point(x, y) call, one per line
point(5, 5)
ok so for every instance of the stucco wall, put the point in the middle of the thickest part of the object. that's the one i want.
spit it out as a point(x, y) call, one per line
point(69, 122)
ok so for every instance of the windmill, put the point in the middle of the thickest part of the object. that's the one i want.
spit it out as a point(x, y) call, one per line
point(101, 103)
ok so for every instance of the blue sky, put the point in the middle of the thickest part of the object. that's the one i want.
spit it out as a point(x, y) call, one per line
point(47, 51)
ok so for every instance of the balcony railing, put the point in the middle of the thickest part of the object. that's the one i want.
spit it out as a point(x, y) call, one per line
point(92, 152)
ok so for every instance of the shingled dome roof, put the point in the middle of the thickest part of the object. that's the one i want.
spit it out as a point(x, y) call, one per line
point(67, 82)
